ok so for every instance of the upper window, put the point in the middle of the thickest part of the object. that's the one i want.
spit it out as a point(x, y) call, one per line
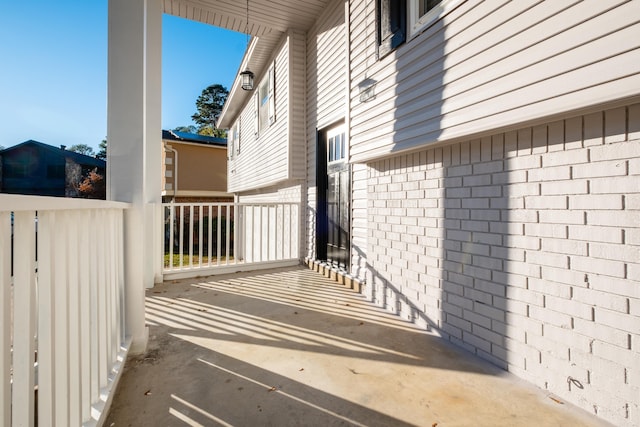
point(336, 145)
point(391, 17)
point(265, 101)
point(392, 21)
point(423, 13)
point(233, 140)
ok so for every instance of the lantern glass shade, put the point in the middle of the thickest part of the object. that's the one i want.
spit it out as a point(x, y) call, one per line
point(247, 79)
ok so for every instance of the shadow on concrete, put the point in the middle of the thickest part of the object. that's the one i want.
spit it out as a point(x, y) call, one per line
point(289, 347)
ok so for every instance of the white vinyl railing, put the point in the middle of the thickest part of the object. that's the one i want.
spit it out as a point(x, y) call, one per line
point(62, 342)
point(209, 238)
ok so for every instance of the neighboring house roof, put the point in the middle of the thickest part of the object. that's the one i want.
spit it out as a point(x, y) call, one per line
point(171, 135)
point(80, 159)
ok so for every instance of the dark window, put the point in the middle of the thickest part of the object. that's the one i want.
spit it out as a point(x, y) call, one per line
point(15, 170)
point(55, 171)
point(392, 24)
point(426, 5)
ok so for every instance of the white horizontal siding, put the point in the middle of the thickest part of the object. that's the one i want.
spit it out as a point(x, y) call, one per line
point(275, 194)
point(264, 160)
point(491, 65)
point(297, 110)
point(327, 69)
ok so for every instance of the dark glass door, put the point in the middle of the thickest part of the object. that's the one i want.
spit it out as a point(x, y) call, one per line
point(334, 201)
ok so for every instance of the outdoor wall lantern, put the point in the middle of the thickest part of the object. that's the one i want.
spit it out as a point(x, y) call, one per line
point(246, 77)
point(367, 89)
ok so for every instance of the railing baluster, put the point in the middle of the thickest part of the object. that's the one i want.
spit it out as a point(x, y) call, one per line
point(191, 209)
point(227, 235)
point(102, 310)
point(181, 231)
point(258, 233)
point(111, 289)
point(232, 214)
point(75, 413)
point(60, 318)
point(94, 260)
point(5, 318)
point(200, 242)
point(24, 322)
point(171, 234)
point(209, 234)
point(219, 234)
point(252, 234)
point(269, 237)
point(85, 314)
point(46, 311)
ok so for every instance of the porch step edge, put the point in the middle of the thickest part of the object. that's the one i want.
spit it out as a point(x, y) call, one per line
point(335, 274)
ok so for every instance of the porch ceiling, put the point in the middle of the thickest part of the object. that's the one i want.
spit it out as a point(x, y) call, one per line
point(264, 15)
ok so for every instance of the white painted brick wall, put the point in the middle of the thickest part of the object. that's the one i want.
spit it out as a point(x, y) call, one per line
point(523, 248)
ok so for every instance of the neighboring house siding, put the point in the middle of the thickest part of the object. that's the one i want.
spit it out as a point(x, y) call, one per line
point(490, 65)
point(326, 75)
point(264, 159)
point(201, 168)
point(524, 248)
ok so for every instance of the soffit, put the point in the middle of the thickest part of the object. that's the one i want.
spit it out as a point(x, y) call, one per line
point(264, 15)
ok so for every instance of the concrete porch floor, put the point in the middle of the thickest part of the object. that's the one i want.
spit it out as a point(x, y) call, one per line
point(289, 347)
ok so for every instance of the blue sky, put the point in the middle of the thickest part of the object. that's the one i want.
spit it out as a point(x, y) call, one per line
point(53, 75)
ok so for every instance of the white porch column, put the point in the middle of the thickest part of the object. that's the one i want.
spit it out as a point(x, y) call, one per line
point(134, 144)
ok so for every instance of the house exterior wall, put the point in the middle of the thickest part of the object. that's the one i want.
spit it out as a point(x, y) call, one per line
point(489, 65)
point(515, 235)
point(264, 157)
point(524, 248)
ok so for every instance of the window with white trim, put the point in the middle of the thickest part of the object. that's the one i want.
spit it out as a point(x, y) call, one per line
point(265, 101)
point(233, 140)
point(336, 145)
point(391, 19)
point(423, 13)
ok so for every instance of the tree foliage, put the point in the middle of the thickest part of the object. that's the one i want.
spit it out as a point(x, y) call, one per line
point(102, 152)
point(81, 149)
point(218, 133)
point(93, 186)
point(209, 105)
point(187, 129)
